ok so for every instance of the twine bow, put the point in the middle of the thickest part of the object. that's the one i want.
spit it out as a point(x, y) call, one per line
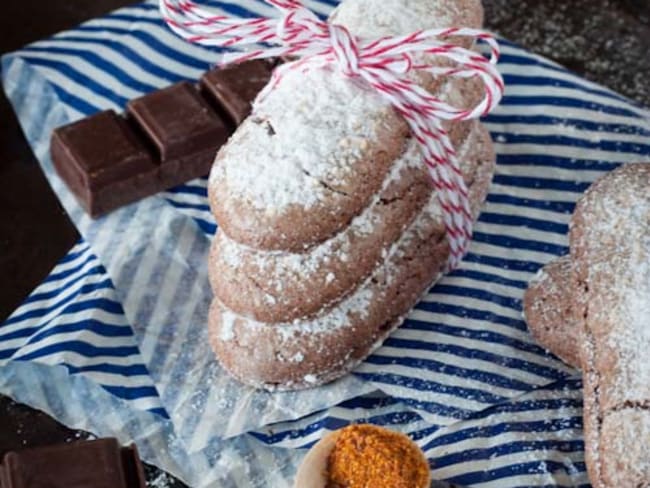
point(382, 64)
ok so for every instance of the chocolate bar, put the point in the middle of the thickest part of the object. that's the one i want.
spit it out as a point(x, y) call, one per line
point(99, 463)
point(164, 139)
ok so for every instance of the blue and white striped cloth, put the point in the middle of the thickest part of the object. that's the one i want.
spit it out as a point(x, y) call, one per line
point(74, 320)
point(123, 315)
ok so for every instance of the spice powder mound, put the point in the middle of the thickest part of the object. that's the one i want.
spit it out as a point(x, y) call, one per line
point(369, 456)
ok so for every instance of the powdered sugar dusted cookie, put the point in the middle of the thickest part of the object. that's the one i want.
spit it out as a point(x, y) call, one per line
point(306, 353)
point(309, 352)
point(548, 303)
point(308, 160)
point(279, 286)
point(317, 149)
point(378, 18)
point(610, 249)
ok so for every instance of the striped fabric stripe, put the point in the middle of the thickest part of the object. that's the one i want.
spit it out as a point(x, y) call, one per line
point(74, 320)
point(78, 402)
point(532, 440)
point(462, 375)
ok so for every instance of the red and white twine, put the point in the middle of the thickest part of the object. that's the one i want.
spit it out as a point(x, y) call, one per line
point(382, 64)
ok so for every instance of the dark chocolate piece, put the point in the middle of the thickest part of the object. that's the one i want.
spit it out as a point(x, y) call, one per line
point(100, 463)
point(103, 162)
point(235, 87)
point(168, 137)
point(184, 129)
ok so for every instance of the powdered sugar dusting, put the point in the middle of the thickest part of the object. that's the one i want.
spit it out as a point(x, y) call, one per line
point(339, 316)
point(280, 264)
point(227, 331)
point(283, 263)
point(632, 339)
point(306, 136)
point(373, 18)
point(538, 277)
point(610, 243)
point(625, 435)
point(619, 274)
point(310, 378)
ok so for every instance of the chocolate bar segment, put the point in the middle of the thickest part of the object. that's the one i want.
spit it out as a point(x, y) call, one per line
point(103, 162)
point(235, 87)
point(183, 128)
point(178, 121)
point(100, 463)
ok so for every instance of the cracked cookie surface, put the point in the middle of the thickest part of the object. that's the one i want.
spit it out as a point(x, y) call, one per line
point(275, 287)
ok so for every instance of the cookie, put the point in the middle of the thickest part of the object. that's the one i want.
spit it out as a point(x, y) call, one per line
point(315, 151)
point(304, 354)
point(610, 249)
point(297, 179)
point(381, 18)
point(307, 353)
point(305, 162)
point(547, 304)
point(309, 160)
point(278, 287)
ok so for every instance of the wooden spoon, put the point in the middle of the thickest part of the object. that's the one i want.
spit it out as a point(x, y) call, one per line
point(312, 472)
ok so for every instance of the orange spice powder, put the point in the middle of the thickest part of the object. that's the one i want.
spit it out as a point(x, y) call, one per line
point(367, 456)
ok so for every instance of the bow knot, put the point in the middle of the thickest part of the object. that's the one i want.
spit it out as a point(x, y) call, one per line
point(381, 64)
point(297, 25)
point(345, 49)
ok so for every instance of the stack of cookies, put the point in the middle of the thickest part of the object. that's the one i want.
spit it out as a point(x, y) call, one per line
point(330, 230)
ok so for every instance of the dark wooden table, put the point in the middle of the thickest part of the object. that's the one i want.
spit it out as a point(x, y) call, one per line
point(607, 41)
